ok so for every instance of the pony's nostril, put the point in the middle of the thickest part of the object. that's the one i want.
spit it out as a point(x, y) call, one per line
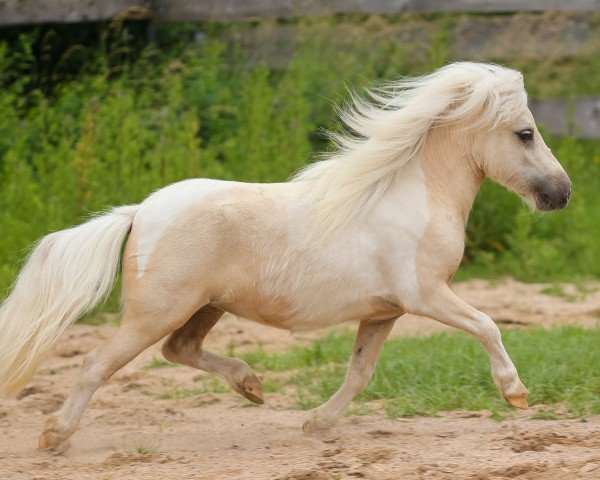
point(545, 198)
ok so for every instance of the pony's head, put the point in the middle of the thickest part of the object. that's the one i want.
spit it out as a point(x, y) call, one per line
point(484, 105)
point(506, 144)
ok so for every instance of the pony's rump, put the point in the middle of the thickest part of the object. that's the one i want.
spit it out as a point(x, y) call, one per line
point(67, 274)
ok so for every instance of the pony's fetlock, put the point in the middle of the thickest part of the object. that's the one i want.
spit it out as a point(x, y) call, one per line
point(53, 436)
point(319, 424)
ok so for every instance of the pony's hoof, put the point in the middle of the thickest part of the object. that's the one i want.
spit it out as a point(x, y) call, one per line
point(251, 388)
point(518, 402)
point(309, 427)
point(317, 426)
point(51, 437)
point(49, 440)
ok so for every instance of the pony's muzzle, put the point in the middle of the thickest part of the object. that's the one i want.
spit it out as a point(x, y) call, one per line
point(554, 193)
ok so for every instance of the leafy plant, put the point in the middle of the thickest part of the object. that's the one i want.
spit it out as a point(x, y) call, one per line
point(116, 119)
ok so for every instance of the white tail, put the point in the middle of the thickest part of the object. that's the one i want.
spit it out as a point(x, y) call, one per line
point(66, 275)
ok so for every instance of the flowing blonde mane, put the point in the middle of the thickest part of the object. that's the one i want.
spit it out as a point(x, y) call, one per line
point(391, 130)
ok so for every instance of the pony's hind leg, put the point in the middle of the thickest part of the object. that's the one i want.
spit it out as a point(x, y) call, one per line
point(369, 341)
point(185, 346)
point(137, 332)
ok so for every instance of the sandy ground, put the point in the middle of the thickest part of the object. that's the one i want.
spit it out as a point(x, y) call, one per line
point(128, 432)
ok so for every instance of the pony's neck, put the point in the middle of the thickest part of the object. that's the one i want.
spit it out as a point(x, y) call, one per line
point(451, 174)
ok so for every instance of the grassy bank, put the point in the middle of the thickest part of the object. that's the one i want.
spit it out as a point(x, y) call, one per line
point(426, 376)
point(446, 371)
point(104, 126)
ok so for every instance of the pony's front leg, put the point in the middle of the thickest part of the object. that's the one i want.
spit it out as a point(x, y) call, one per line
point(444, 306)
point(369, 341)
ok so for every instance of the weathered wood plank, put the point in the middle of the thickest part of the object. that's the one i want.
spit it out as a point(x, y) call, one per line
point(177, 10)
point(580, 117)
point(20, 12)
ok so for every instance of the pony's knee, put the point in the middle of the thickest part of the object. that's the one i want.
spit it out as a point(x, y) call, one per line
point(486, 329)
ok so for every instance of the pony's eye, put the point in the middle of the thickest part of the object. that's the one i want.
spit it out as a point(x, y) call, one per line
point(525, 135)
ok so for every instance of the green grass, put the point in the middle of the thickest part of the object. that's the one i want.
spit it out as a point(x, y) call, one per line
point(558, 290)
point(207, 385)
point(547, 414)
point(145, 450)
point(156, 362)
point(447, 371)
point(100, 317)
point(555, 289)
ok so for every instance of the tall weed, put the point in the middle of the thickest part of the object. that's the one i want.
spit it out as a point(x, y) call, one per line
point(126, 125)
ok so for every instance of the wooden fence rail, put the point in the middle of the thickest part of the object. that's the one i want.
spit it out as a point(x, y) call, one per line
point(579, 117)
point(22, 12)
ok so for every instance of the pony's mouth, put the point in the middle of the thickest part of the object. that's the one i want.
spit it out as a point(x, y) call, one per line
point(553, 195)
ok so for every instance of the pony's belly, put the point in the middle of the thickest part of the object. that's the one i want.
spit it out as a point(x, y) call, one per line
point(266, 317)
point(369, 308)
point(278, 312)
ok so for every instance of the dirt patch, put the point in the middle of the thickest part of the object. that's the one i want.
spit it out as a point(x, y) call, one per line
point(130, 431)
point(536, 442)
point(230, 442)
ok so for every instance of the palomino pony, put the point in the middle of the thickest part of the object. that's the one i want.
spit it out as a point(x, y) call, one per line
point(370, 233)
